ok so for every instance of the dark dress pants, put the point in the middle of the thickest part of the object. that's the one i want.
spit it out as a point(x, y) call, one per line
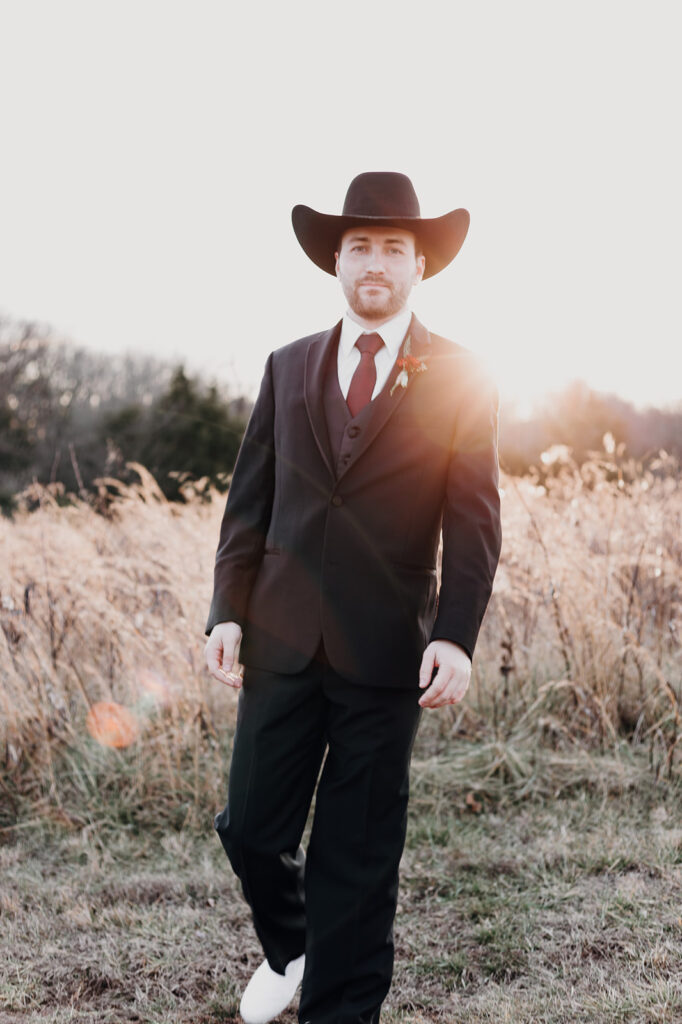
point(337, 904)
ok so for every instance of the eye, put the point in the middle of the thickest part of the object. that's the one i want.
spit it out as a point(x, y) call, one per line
point(359, 248)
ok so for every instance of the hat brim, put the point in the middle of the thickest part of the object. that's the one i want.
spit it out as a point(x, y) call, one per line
point(440, 238)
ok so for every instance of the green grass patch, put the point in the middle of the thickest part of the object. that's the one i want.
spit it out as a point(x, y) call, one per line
point(530, 910)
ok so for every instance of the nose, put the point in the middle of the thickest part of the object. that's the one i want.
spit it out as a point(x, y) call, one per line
point(375, 263)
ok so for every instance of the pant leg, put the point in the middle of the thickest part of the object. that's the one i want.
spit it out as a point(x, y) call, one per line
point(278, 747)
point(357, 839)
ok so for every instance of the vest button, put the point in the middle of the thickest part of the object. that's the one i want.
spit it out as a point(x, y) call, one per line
point(353, 431)
point(337, 500)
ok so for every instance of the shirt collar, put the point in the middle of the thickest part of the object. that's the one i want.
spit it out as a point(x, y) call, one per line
point(391, 333)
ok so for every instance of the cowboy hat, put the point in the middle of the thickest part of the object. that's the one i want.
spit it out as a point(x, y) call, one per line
point(378, 198)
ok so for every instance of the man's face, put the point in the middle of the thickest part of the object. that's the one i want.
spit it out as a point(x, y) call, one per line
point(377, 268)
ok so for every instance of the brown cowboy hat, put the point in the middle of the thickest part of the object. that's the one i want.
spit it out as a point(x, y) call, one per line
point(379, 198)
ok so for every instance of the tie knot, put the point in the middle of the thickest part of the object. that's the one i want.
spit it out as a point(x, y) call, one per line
point(369, 343)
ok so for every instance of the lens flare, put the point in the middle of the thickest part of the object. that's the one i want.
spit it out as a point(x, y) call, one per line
point(111, 724)
point(153, 686)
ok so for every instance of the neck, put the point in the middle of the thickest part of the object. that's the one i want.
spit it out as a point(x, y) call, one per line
point(373, 322)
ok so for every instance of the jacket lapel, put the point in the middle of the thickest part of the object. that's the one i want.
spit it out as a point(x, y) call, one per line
point(317, 361)
point(377, 413)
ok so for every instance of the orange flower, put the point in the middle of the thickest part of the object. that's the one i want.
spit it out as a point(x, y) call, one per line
point(411, 363)
point(408, 364)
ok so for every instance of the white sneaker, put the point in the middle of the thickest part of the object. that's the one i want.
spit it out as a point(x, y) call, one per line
point(269, 993)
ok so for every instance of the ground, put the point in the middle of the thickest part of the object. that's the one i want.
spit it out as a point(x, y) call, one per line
point(527, 912)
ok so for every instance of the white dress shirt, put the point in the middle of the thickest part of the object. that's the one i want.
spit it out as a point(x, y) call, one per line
point(392, 334)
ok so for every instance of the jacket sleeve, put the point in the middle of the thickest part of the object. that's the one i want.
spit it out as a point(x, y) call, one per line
point(247, 512)
point(472, 535)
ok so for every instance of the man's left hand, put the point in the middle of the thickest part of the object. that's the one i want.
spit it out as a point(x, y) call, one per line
point(452, 678)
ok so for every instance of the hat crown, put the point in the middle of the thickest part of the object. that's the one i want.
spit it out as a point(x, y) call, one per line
point(381, 194)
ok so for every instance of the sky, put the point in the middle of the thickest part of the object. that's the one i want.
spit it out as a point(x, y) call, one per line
point(152, 152)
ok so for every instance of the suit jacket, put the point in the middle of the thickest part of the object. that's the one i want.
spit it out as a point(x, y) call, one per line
point(308, 550)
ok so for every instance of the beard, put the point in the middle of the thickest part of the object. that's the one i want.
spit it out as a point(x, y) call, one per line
point(380, 306)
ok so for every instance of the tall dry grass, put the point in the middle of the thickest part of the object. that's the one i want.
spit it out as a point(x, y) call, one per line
point(587, 609)
point(580, 651)
point(108, 608)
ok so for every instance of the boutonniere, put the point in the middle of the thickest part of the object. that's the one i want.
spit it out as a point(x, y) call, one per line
point(409, 365)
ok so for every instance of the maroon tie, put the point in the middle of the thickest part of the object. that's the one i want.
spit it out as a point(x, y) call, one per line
point(365, 376)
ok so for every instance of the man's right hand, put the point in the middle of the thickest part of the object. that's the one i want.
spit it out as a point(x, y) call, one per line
point(221, 653)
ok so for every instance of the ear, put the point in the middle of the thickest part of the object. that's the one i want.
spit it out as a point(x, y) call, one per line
point(336, 263)
point(421, 267)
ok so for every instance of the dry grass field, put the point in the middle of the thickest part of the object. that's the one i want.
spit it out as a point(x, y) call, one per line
point(542, 878)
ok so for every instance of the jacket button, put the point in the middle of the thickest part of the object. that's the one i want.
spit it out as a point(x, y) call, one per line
point(337, 500)
point(353, 431)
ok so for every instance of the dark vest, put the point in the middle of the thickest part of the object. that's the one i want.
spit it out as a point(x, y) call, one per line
point(342, 428)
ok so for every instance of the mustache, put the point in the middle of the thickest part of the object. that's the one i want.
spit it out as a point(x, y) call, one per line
point(375, 280)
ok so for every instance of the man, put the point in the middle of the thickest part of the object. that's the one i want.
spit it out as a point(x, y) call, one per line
point(366, 441)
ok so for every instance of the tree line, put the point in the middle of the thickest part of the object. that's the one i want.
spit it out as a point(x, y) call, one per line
point(70, 416)
point(582, 420)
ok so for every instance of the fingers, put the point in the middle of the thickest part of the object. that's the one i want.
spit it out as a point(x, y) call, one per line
point(220, 662)
point(451, 681)
point(427, 666)
point(438, 692)
point(233, 679)
point(448, 687)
